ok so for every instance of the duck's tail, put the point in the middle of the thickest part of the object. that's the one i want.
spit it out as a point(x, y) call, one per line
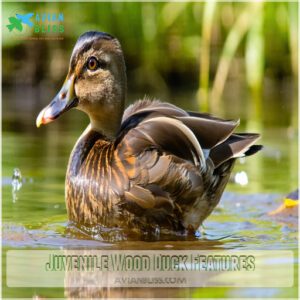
point(237, 145)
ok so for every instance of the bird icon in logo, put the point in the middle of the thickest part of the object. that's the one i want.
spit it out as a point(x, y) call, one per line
point(16, 22)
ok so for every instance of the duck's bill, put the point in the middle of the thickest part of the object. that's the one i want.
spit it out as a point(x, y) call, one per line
point(62, 102)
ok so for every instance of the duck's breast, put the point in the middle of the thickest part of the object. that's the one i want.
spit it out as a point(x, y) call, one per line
point(89, 197)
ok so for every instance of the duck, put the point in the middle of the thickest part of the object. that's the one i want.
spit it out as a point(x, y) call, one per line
point(153, 166)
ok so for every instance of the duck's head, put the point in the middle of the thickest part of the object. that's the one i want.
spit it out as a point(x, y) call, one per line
point(95, 83)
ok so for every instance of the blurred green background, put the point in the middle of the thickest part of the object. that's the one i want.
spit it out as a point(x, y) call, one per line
point(216, 51)
point(235, 60)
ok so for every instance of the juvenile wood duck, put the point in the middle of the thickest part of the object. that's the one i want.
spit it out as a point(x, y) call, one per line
point(151, 166)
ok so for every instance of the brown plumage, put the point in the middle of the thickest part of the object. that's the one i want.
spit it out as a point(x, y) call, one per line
point(155, 166)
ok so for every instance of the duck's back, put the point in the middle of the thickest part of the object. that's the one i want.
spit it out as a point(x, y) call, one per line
point(166, 168)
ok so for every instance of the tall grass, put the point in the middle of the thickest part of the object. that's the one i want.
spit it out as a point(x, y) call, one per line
point(171, 44)
point(208, 18)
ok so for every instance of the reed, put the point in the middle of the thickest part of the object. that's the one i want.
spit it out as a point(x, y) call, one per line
point(208, 18)
point(198, 46)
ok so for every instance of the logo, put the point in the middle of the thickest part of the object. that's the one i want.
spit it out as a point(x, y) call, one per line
point(39, 23)
point(16, 22)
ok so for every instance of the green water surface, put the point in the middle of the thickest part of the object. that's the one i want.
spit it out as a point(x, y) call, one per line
point(35, 216)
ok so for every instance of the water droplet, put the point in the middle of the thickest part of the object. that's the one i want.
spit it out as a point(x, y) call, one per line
point(157, 231)
point(16, 183)
point(197, 234)
point(241, 178)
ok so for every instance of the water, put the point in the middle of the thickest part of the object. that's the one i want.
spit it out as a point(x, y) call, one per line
point(34, 213)
point(16, 183)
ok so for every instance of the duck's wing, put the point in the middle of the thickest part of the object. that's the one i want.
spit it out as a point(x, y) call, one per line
point(164, 156)
point(185, 133)
point(161, 117)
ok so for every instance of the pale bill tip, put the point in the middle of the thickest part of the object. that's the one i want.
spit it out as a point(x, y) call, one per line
point(39, 119)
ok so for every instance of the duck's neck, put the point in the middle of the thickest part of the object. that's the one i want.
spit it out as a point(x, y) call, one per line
point(81, 149)
point(108, 125)
point(106, 119)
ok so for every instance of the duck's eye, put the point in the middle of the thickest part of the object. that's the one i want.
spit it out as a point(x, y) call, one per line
point(92, 63)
